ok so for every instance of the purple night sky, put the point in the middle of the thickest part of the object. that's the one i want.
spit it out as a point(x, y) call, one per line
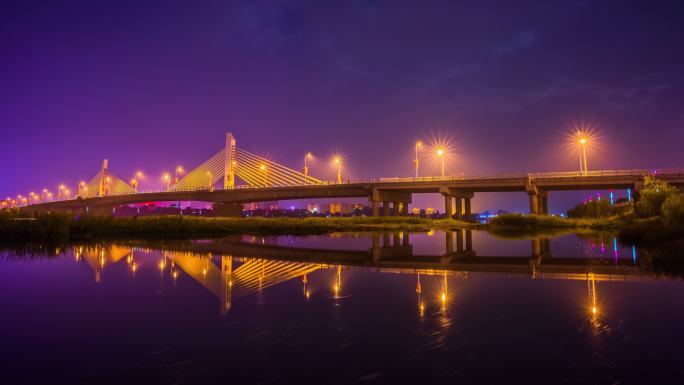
point(154, 84)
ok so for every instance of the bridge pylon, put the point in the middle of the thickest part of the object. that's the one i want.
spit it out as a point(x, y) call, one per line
point(230, 163)
point(103, 179)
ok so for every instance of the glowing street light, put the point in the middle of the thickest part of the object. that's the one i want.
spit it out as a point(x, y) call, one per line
point(179, 170)
point(416, 161)
point(338, 162)
point(583, 141)
point(167, 178)
point(441, 153)
point(306, 167)
point(82, 188)
point(264, 169)
point(210, 176)
point(134, 181)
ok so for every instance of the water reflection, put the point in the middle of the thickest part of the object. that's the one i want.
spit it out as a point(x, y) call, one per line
point(237, 267)
point(379, 294)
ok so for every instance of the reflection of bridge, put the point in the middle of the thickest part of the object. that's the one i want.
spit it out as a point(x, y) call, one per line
point(268, 181)
point(393, 251)
point(230, 269)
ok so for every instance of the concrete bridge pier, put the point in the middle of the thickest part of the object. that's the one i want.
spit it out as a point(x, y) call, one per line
point(459, 208)
point(375, 208)
point(463, 202)
point(385, 209)
point(467, 208)
point(399, 200)
point(448, 206)
point(538, 199)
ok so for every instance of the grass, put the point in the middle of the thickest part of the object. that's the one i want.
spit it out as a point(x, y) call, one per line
point(531, 221)
point(62, 227)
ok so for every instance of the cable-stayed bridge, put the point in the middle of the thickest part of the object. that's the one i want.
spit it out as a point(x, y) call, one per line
point(265, 180)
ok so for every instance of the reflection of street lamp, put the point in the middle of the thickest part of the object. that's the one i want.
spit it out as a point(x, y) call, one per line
point(338, 282)
point(440, 153)
point(416, 161)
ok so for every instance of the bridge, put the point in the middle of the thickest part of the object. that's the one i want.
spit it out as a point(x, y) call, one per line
point(268, 181)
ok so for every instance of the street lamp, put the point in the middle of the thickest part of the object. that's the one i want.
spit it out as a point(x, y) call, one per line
point(416, 161)
point(179, 170)
point(60, 191)
point(210, 176)
point(81, 187)
point(263, 168)
point(338, 161)
point(583, 141)
point(306, 167)
point(167, 178)
point(134, 181)
point(441, 153)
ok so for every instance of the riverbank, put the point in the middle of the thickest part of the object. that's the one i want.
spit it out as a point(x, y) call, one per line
point(531, 221)
point(61, 227)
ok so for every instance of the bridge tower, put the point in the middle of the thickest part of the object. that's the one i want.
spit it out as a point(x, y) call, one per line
point(231, 162)
point(103, 179)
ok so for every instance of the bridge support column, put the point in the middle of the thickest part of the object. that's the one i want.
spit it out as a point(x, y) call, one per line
point(385, 239)
point(375, 205)
point(543, 205)
point(534, 203)
point(396, 209)
point(459, 208)
point(227, 209)
point(405, 238)
point(396, 241)
point(468, 209)
point(385, 209)
point(448, 206)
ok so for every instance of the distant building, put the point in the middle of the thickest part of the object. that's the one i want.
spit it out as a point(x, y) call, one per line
point(272, 205)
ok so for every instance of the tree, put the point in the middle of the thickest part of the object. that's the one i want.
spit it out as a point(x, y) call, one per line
point(673, 210)
point(592, 209)
point(653, 196)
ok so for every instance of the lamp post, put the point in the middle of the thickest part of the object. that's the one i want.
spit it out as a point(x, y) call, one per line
point(306, 167)
point(263, 168)
point(583, 155)
point(135, 181)
point(440, 153)
point(416, 161)
point(81, 187)
point(210, 176)
point(167, 178)
point(179, 170)
point(338, 161)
